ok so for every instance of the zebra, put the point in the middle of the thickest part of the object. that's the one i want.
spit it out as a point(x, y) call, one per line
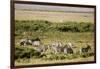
point(27, 41)
point(68, 49)
point(85, 49)
point(64, 49)
point(41, 48)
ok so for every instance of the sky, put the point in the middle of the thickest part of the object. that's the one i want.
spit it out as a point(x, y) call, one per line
point(52, 8)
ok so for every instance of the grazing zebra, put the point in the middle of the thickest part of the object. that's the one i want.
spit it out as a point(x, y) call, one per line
point(71, 45)
point(85, 49)
point(68, 49)
point(35, 42)
point(24, 42)
point(41, 48)
point(57, 48)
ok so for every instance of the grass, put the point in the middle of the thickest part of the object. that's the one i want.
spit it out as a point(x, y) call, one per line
point(54, 16)
point(78, 39)
point(33, 61)
point(49, 32)
point(49, 27)
point(50, 57)
point(49, 37)
point(41, 27)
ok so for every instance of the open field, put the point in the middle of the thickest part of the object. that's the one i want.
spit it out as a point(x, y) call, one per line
point(77, 28)
point(49, 32)
point(79, 39)
point(54, 16)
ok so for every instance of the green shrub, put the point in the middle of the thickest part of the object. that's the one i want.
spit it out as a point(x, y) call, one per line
point(45, 26)
point(59, 56)
point(88, 54)
point(24, 52)
point(76, 27)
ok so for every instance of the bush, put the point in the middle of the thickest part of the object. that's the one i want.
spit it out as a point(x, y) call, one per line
point(88, 54)
point(24, 52)
point(76, 27)
point(45, 26)
point(36, 25)
point(59, 56)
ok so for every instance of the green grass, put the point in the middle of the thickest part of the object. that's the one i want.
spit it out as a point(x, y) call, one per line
point(52, 26)
point(33, 61)
point(49, 32)
point(78, 39)
point(39, 27)
point(49, 37)
point(27, 55)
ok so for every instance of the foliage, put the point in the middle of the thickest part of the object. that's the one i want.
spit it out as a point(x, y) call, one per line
point(50, 31)
point(45, 26)
point(25, 52)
